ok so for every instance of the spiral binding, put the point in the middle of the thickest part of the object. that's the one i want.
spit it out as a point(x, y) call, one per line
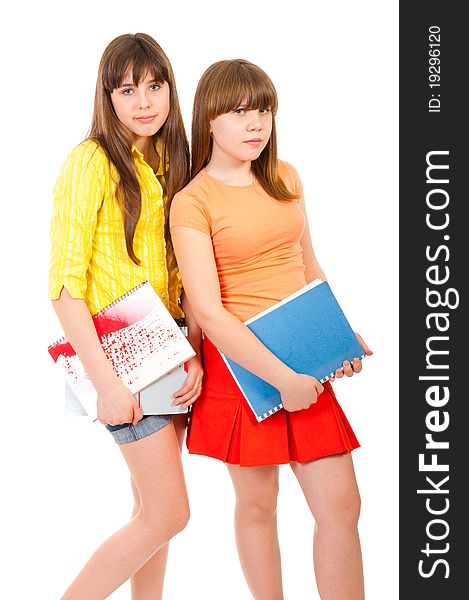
point(271, 412)
point(57, 342)
point(115, 302)
point(63, 339)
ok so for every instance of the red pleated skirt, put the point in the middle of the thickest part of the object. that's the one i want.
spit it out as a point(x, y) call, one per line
point(222, 424)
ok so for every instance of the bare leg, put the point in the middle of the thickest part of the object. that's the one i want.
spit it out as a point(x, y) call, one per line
point(147, 582)
point(256, 529)
point(331, 491)
point(180, 425)
point(156, 469)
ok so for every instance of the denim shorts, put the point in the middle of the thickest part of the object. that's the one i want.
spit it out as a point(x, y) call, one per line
point(123, 434)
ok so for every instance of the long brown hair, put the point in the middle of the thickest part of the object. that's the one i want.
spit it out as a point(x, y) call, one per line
point(223, 87)
point(143, 55)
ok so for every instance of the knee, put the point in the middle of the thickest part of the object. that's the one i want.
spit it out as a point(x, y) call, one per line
point(165, 523)
point(177, 517)
point(342, 511)
point(351, 510)
point(180, 519)
point(261, 509)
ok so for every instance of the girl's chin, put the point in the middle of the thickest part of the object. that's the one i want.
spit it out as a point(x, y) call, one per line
point(251, 155)
point(145, 133)
point(145, 130)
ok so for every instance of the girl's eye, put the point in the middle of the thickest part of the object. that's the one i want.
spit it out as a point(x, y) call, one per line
point(154, 87)
point(264, 111)
point(127, 91)
point(239, 111)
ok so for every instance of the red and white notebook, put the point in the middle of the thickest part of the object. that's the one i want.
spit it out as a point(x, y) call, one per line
point(140, 338)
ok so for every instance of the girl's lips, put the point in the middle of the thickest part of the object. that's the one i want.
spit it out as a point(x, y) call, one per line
point(148, 119)
point(254, 142)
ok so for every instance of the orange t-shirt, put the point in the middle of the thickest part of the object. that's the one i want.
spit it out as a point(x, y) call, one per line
point(256, 239)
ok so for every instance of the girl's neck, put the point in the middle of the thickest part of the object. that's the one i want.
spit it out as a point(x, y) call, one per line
point(231, 172)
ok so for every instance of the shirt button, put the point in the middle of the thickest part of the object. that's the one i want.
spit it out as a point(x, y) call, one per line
point(164, 295)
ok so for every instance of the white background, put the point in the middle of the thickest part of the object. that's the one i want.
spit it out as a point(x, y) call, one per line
point(65, 486)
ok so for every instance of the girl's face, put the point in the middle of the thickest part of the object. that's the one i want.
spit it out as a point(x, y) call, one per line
point(241, 134)
point(143, 108)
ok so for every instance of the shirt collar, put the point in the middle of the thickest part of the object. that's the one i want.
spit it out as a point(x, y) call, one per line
point(159, 148)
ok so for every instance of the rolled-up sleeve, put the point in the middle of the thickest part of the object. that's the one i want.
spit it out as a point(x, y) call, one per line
point(78, 195)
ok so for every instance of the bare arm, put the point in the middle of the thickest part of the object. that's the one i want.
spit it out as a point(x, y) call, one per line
point(192, 388)
point(312, 268)
point(194, 329)
point(199, 274)
point(116, 403)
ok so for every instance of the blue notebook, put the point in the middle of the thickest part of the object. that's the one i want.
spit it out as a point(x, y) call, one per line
point(307, 331)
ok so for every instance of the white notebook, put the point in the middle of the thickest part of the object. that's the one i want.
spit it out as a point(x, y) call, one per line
point(155, 399)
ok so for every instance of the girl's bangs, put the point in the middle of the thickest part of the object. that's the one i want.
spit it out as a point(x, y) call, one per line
point(140, 62)
point(245, 88)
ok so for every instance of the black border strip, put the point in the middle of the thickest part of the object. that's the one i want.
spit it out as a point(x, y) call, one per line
point(434, 267)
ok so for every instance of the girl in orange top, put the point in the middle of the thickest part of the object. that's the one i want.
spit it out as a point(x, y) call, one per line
point(242, 242)
point(108, 235)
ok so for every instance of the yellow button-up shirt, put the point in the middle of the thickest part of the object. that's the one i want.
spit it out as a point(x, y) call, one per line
point(88, 251)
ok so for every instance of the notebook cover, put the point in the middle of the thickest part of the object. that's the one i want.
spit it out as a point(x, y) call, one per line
point(309, 332)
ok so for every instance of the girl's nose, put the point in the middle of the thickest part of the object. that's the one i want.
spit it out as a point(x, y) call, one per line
point(254, 123)
point(143, 101)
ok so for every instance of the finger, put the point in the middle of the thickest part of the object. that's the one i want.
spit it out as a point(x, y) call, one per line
point(138, 415)
point(339, 373)
point(356, 365)
point(197, 385)
point(347, 368)
point(193, 381)
point(182, 391)
point(120, 420)
point(366, 350)
point(190, 394)
point(191, 400)
point(313, 401)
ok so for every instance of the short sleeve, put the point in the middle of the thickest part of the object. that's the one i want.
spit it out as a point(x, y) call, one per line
point(188, 211)
point(78, 195)
point(290, 177)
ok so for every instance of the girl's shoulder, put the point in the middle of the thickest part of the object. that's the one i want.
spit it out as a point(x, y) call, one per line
point(287, 170)
point(191, 206)
point(290, 177)
point(197, 190)
point(87, 154)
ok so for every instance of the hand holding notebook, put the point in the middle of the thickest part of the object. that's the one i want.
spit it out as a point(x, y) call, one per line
point(299, 391)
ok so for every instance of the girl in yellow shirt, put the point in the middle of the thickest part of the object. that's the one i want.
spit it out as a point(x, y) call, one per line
point(109, 233)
